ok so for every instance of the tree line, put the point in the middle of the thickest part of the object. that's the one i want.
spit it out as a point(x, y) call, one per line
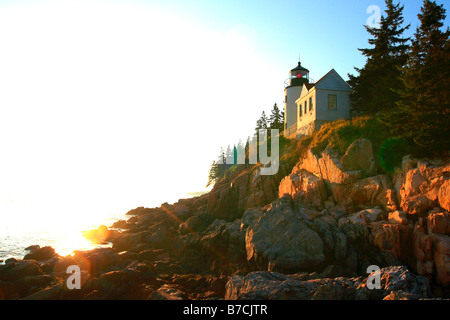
point(228, 158)
point(405, 81)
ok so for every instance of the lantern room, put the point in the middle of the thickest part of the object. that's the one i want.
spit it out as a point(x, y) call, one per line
point(298, 76)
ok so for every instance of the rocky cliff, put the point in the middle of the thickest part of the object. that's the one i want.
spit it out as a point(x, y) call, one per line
point(309, 232)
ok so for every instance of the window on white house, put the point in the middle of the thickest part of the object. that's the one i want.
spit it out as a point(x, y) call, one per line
point(332, 101)
point(301, 111)
point(306, 106)
point(310, 103)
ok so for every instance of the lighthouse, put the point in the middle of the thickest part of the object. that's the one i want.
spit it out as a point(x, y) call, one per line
point(292, 90)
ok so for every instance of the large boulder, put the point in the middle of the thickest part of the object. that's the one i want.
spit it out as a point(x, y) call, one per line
point(40, 254)
point(281, 240)
point(327, 166)
point(350, 179)
point(370, 191)
point(392, 238)
point(263, 285)
point(441, 258)
point(398, 217)
point(19, 269)
point(422, 248)
point(303, 186)
point(366, 216)
point(438, 222)
point(123, 284)
point(421, 187)
point(129, 241)
point(359, 156)
point(444, 195)
point(395, 279)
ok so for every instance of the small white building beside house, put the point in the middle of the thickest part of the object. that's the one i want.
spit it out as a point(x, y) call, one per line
point(317, 103)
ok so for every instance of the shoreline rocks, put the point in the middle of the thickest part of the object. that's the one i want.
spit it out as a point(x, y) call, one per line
point(311, 232)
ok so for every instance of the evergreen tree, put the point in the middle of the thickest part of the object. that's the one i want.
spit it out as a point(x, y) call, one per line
point(229, 157)
point(276, 118)
point(262, 122)
point(375, 88)
point(212, 174)
point(247, 150)
point(423, 114)
point(217, 170)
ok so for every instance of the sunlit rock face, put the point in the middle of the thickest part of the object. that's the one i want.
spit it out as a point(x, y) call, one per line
point(312, 235)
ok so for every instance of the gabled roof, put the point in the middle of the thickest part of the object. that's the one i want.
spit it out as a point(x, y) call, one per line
point(332, 71)
point(305, 90)
point(307, 87)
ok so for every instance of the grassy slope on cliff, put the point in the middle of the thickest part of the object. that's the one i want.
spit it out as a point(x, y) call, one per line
point(338, 135)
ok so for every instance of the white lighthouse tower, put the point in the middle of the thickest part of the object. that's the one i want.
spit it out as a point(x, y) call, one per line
point(292, 90)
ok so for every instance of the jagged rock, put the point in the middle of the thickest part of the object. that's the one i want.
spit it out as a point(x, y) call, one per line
point(40, 254)
point(328, 167)
point(48, 293)
point(168, 292)
point(398, 217)
point(419, 189)
point(129, 241)
point(246, 189)
point(37, 281)
point(334, 241)
point(347, 187)
point(441, 258)
point(33, 247)
point(280, 240)
point(422, 251)
point(22, 268)
point(263, 285)
point(303, 186)
point(115, 284)
point(100, 260)
point(223, 200)
point(392, 238)
point(339, 218)
point(395, 279)
point(367, 216)
point(197, 223)
point(372, 191)
point(444, 195)
point(194, 283)
point(438, 222)
point(359, 156)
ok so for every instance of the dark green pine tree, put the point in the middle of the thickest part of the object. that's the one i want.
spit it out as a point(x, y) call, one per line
point(217, 170)
point(423, 114)
point(276, 118)
point(212, 174)
point(262, 122)
point(376, 85)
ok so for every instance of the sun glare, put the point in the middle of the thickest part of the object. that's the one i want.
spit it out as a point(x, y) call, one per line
point(105, 106)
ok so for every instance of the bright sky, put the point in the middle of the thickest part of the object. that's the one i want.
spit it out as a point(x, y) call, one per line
point(116, 104)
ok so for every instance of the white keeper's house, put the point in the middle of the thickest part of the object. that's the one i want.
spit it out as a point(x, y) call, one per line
point(310, 104)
